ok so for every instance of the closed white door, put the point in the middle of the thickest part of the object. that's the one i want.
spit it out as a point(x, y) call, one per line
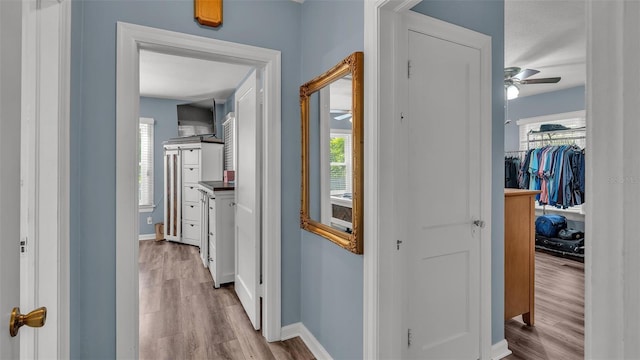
point(247, 226)
point(441, 139)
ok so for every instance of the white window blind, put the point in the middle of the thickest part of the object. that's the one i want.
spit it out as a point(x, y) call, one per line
point(229, 137)
point(340, 164)
point(145, 164)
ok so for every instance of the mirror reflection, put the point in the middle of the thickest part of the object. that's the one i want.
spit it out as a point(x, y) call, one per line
point(331, 108)
point(335, 145)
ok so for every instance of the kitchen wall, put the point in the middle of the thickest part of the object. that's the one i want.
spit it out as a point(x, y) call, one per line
point(164, 113)
point(561, 101)
point(487, 17)
point(272, 24)
point(331, 277)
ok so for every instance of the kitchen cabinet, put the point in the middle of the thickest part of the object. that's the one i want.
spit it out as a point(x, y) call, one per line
point(217, 248)
point(185, 164)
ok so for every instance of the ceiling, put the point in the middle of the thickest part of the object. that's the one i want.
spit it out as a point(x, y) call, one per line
point(183, 78)
point(546, 35)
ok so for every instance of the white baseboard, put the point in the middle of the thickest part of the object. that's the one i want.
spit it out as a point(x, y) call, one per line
point(500, 350)
point(147, 237)
point(298, 329)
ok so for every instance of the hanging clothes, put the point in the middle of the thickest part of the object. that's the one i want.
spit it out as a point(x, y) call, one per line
point(511, 172)
point(557, 171)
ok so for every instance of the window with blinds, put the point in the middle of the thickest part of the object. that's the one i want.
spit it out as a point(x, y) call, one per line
point(340, 164)
point(229, 140)
point(145, 164)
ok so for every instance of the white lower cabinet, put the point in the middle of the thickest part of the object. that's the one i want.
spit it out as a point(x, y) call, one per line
point(217, 248)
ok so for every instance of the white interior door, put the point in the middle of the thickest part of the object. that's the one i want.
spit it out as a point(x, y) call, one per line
point(33, 174)
point(247, 231)
point(441, 198)
point(10, 112)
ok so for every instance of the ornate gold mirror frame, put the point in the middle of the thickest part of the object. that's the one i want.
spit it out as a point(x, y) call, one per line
point(352, 65)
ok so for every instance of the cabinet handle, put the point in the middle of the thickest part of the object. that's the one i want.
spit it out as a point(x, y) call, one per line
point(210, 208)
point(191, 206)
point(232, 204)
point(191, 169)
point(191, 187)
point(191, 225)
point(191, 150)
point(211, 233)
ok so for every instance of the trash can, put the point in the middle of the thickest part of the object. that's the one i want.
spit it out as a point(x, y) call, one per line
point(159, 231)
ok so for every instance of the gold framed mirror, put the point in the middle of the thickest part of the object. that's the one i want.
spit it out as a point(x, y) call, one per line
point(331, 109)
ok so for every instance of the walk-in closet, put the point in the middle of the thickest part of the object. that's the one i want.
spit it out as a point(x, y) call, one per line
point(544, 174)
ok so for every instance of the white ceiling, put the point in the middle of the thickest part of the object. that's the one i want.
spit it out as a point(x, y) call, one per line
point(546, 35)
point(190, 79)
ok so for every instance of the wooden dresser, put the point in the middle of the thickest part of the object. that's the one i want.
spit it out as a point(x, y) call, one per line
point(519, 254)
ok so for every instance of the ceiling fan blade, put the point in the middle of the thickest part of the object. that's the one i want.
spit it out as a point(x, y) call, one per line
point(551, 80)
point(343, 117)
point(525, 74)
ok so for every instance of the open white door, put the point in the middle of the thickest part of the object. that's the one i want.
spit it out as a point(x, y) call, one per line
point(34, 188)
point(247, 232)
point(10, 80)
point(444, 191)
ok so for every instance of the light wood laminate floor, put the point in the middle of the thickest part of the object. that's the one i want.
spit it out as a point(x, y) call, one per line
point(559, 313)
point(183, 317)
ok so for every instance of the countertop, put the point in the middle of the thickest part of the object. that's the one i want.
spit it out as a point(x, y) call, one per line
point(518, 192)
point(217, 185)
point(194, 139)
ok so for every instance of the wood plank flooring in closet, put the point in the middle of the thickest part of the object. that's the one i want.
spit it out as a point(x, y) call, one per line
point(559, 324)
point(183, 317)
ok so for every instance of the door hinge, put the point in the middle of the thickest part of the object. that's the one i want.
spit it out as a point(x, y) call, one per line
point(409, 69)
point(23, 245)
point(398, 242)
point(408, 337)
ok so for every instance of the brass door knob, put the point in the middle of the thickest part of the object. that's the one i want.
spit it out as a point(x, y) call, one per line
point(35, 319)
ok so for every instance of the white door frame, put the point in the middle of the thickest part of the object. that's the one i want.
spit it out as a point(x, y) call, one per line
point(45, 174)
point(383, 334)
point(130, 39)
point(612, 269)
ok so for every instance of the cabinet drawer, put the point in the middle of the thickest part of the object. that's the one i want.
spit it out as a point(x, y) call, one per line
point(191, 230)
point(191, 174)
point(191, 211)
point(191, 193)
point(191, 156)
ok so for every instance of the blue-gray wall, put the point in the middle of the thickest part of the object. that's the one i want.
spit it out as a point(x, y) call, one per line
point(165, 114)
point(332, 278)
point(272, 24)
point(561, 101)
point(487, 17)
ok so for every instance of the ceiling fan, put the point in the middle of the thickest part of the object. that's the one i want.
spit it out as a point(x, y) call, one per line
point(514, 76)
point(346, 115)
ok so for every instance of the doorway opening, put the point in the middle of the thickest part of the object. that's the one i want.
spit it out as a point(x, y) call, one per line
point(134, 43)
point(545, 144)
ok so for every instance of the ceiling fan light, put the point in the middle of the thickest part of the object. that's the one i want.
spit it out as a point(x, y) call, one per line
point(512, 92)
